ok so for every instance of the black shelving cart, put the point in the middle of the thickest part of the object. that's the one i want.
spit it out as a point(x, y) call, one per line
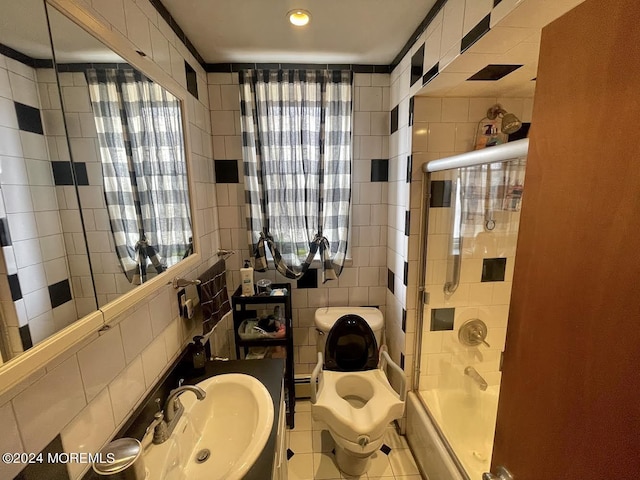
point(242, 310)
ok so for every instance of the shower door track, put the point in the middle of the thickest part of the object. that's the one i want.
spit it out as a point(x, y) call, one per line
point(496, 154)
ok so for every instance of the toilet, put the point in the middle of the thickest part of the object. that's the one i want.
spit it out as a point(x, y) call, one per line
point(350, 391)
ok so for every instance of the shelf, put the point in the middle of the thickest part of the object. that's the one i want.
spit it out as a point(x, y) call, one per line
point(263, 342)
point(241, 312)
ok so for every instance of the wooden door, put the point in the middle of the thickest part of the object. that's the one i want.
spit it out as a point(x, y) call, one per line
point(570, 399)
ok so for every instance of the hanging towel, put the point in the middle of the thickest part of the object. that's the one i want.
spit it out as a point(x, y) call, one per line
point(213, 296)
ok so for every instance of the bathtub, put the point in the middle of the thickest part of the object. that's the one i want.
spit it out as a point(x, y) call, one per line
point(466, 418)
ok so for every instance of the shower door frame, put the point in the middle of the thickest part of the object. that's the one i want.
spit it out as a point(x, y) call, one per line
point(498, 154)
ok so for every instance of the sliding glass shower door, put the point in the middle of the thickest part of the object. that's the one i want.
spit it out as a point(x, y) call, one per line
point(474, 214)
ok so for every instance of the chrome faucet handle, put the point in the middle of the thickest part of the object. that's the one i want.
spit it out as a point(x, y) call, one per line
point(479, 337)
point(473, 332)
point(180, 382)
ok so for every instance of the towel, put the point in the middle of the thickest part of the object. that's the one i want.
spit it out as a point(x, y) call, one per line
point(213, 296)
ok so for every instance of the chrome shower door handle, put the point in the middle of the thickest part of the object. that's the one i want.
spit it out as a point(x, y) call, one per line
point(503, 474)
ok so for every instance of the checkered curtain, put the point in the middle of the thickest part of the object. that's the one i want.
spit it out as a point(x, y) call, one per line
point(145, 180)
point(490, 188)
point(296, 128)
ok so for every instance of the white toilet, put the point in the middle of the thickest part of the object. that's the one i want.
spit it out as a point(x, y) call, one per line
point(349, 389)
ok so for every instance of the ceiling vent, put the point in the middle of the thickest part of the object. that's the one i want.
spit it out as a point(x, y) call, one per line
point(494, 72)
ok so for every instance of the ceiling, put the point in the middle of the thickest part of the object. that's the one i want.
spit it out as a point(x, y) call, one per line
point(258, 31)
point(514, 40)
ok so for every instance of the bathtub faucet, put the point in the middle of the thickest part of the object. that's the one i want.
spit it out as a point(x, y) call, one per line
point(476, 377)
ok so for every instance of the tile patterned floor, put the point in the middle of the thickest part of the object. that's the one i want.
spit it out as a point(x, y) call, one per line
point(310, 453)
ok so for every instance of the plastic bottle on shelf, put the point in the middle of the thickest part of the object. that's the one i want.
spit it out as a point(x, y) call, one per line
point(246, 277)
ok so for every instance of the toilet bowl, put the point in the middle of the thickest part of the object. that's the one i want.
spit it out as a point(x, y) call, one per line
point(350, 391)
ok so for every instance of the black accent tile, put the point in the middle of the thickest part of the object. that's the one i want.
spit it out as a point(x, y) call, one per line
point(14, 286)
point(309, 279)
point(495, 3)
point(29, 119)
point(442, 319)
point(404, 320)
point(25, 337)
point(5, 236)
point(440, 193)
point(493, 269)
point(226, 171)
point(520, 134)
point(83, 67)
point(60, 293)
point(237, 67)
point(380, 170)
point(16, 55)
point(289, 453)
point(390, 280)
point(417, 64)
point(402, 360)
point(62, 173)
point(431, 74)
point(339, 66)
point(409, 167)
point(493, 72)
point(475, 33)
point(50, 471)
point(192, 79)
point(407, 222)
point(394, 119)
point(411, 109)
point(218, 68)
point(333, 450)
point(437, 6)
point(386, 449)
point(405, 274)
point(81, 173)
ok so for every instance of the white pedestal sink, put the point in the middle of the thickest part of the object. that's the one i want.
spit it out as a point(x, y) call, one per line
point(229, 428)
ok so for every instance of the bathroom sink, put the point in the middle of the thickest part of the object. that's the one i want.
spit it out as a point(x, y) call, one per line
point(219, 437)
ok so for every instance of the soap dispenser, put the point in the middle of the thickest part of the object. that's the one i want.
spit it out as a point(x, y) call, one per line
point(198, 353)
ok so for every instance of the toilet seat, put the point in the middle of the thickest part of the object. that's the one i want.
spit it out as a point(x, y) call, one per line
point(357, 403)
point(351, 345)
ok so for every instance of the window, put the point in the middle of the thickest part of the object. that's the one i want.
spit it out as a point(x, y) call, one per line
point(296, 128)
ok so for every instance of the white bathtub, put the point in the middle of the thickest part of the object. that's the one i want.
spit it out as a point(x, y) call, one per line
point(467, 418)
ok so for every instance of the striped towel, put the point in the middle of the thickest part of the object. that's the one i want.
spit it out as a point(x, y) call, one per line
point(213, 296)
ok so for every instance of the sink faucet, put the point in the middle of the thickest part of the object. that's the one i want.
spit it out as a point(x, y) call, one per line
point(476, 377)
point(173, 408)
point(165, 421)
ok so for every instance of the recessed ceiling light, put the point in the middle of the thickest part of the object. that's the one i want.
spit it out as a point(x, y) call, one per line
point(299, 17)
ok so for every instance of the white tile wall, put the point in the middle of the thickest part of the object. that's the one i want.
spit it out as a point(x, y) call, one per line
point(89, 430)
point(45, 407)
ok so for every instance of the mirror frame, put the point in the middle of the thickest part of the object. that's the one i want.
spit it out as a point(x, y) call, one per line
point(17, 369)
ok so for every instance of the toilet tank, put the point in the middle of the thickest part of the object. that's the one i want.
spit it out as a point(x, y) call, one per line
point(326, 317)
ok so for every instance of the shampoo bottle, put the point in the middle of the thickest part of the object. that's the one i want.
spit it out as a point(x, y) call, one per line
point(246, 277)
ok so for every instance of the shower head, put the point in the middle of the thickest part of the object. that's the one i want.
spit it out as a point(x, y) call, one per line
point(510, 123)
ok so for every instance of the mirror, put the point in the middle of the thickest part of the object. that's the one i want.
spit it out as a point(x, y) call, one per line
point(46, 284)
point(58, 209)
point(127, 144)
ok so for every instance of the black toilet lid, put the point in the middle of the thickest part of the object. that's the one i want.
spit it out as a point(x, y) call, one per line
point(351, 346)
